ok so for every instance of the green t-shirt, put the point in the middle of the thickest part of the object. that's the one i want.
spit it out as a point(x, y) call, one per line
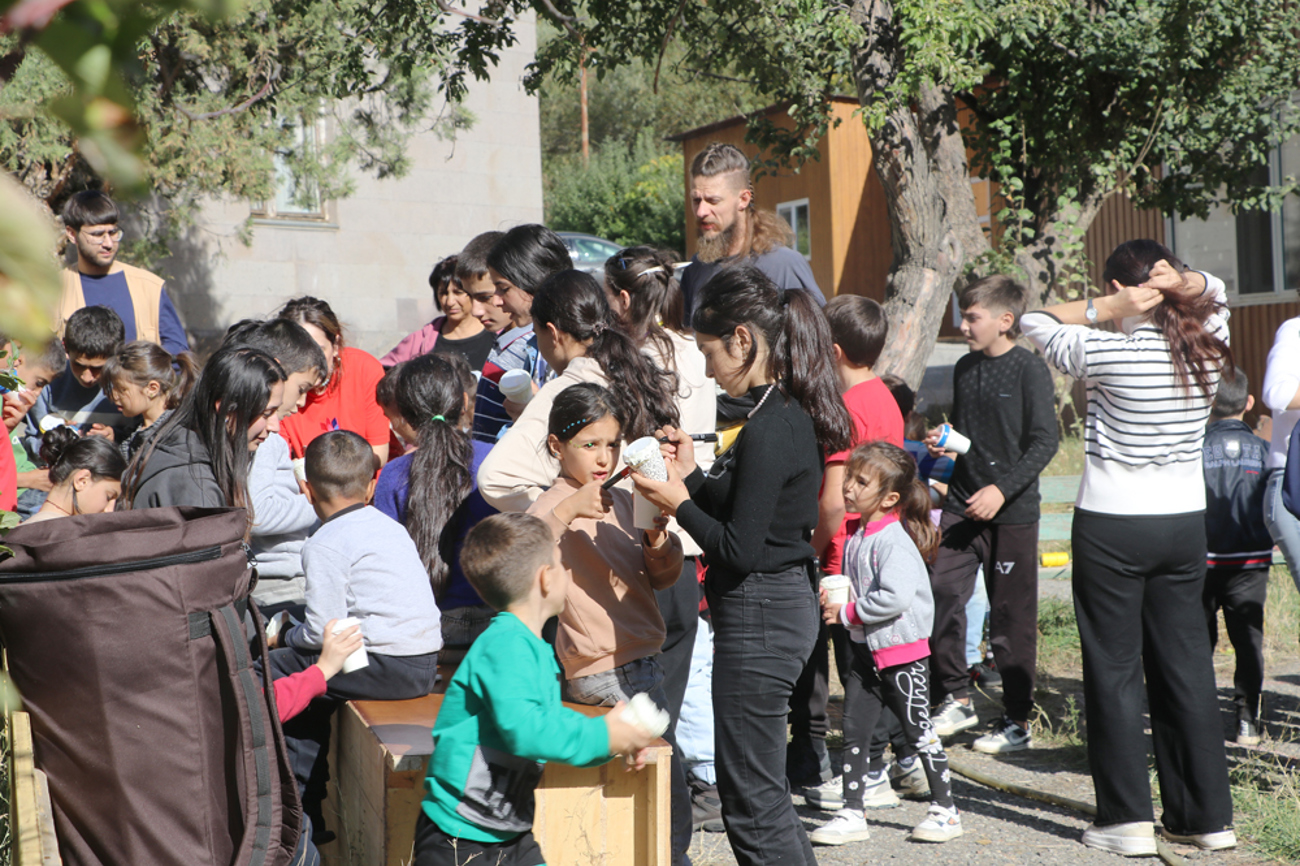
point(500, 720)
point(21, 459)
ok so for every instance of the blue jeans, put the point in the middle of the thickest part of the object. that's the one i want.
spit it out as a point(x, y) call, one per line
point(695, 727)
point(1282, 524)
point(977, 614)
point(764, 630)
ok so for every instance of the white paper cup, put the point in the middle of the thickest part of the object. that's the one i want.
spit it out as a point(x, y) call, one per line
point(644, 512)
point(300, 468)
point(516, 385)
point(951, 440)
point(644, 456)
point(837, 588)
point(642, 712)
point(358, 659)
point(49, 422)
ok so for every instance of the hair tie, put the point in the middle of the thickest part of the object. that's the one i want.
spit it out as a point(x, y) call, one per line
point(785, 297)
point(438, 418)
point(598, 328)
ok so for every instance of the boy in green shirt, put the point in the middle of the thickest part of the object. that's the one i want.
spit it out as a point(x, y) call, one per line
point(502, 717)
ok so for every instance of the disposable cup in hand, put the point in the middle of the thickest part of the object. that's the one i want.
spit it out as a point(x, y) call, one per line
point(644, 456)
point(646, 715)
point(516, 385)
point(300, 468)
point(951, 440)
point(837, 588)
point(358, 659)
point(644, 511)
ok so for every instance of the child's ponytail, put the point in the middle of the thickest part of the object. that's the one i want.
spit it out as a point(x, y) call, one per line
point(914, 512)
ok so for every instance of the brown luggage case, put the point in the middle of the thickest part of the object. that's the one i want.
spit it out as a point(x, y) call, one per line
point(126, 640)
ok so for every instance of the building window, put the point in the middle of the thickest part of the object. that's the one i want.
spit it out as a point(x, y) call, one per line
point(796, 214)
point(296, 197)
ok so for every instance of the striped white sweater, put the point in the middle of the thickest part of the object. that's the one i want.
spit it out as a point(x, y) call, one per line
point(1144, 431)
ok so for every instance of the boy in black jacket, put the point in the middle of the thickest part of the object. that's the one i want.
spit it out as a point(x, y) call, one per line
point(1004, 403)
point(1240, 549)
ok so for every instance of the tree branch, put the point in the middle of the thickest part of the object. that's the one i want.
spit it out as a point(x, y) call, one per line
point(243, 106)
point(707, 74)
point(570, 22)
point(452, 10)
point(663, 49)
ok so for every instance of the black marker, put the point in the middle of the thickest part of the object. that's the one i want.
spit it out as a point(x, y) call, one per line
point(697, 437)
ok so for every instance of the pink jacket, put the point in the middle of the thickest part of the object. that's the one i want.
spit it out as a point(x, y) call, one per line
point(414, 345)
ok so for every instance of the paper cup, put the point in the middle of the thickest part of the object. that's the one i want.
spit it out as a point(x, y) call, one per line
point(300, 468)
point(516, 385)
point(642, 712)
point(644, 456)
point(644, 512)
point(49, 422)
point(837, 588)
point(951, 440)
point(358, 659)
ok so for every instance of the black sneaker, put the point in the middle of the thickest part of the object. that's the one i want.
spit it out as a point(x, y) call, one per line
point(984, 674)
point(706, 807)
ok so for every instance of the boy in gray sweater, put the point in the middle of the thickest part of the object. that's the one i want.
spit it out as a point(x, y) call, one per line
point(362, 564)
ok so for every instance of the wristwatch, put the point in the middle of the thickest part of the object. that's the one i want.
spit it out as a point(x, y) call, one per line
point(1091, 313)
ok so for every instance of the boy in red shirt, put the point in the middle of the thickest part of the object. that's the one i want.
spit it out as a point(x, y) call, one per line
point(859, 328)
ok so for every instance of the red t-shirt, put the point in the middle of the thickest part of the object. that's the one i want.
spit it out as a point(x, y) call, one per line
point(348, 404)
point(8, 476)
point(875, 416)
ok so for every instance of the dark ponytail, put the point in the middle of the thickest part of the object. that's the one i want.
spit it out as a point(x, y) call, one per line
point(66, 452)
point(141, 362)
point(1196, 353)
point(655, 296)
point(799, 346)
point(431, 398)
point(895, 472)
point(575, 303)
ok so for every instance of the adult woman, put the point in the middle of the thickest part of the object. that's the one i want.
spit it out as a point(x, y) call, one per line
point(1139, 543)
point(581, 340)
point(753, 514)
point(455, 331)
point(1281, 395)
point(347, 399)
point(201, 454)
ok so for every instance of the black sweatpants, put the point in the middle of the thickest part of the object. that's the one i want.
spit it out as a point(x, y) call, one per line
point(1009, 554)
point(1137, 595)
point(1241, 593)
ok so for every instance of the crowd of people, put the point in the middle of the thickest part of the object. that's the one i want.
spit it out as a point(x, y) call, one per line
point(465, 499)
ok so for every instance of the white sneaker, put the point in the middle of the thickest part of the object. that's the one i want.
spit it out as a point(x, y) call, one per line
point(1134, 839)
point(828, 796)
point(847, 826)
point(910, 782)
point(879, 794)
point(1006, 736)
point(1216, 841)
point(940, 825)
point(952, 717)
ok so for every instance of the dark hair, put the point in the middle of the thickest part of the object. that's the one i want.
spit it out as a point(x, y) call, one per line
point(441, 276)
point(141, 362)
point(283, 339)
point(528, 254)
point(472, 263)
point(800, 357)
point(720, 158)
point(1233, 394)
point(340, 465)
point(579, 405)
point(998, 294)
point(431, 398)
point(386, 387)
point(93, 332)
point(575, 303)
point(902, 393)
point(859, 327)
point(232, 392)
point(1197, 354)
point(65, 452)
point(502, 555)
point(90, 207)
point(313, 311)
point(646, 274)
point(895, 472)
point(51, 356)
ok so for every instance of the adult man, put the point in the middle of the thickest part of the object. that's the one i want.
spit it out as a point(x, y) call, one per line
point(732, 229)
point(140, 298)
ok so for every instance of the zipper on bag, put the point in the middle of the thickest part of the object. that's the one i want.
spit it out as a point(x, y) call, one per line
point(206, 554)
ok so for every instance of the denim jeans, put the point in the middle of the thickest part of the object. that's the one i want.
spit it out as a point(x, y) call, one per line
point(695, 727)
point(977, 614)
point(764, 630)
point(1282, 524)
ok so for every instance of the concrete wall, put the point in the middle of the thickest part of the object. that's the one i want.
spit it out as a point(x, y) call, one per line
point(371, 257)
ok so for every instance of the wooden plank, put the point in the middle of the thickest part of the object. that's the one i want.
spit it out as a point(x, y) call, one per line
point(45, 819)
point(24, 812)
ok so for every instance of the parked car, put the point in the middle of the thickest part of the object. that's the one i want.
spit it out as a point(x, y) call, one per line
point(589, 253)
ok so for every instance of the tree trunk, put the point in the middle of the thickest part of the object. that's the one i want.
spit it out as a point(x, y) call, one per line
point(1057, 230)
point(920, 158)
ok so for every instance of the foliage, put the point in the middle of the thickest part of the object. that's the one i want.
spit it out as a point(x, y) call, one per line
point(29, 282)
point(628, 196)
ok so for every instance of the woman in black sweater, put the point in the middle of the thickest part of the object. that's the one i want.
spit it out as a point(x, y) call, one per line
point(753, 514)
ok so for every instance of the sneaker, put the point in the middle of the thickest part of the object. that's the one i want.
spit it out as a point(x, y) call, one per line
point(828, 796)
point(1216, 841)
point(951, 717)
point(940, 825)
point(706, 806)
point(847, 826)
point(878, 794)
point(984, 674)
point(909, 781)
point(1247, 733)
point(1004, 736)
point(1135, 839)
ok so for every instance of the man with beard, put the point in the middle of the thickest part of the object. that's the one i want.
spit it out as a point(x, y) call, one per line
point(732, 230)
point(97, 279)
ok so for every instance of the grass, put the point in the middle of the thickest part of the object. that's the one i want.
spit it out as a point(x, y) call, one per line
point(1281, 616)
point(1058, 637)
point(1266, 797)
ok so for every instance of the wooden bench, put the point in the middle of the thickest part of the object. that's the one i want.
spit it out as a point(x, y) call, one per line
point(31, 817)
point(604, 816)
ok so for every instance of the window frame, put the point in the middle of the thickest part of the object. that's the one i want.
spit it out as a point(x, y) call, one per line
point(792, 207)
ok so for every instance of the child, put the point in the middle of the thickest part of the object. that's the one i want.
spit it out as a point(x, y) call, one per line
point(386, 397)
point(145, 382)
point(501, 717)
point(889, 624)
point(859, 329)
point(455, 330)
point(363, 564)
point(85, 475)
point(431, 489)
point(1240, 549)
point(1005, 403)
point(35, 369)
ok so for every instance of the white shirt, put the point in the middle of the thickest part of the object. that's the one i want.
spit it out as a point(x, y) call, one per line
point(1281, 381)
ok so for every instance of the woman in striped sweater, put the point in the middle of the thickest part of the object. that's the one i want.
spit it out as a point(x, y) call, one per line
point(1139, 542)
